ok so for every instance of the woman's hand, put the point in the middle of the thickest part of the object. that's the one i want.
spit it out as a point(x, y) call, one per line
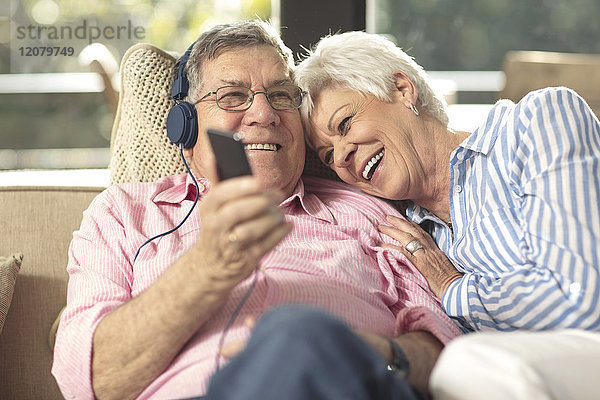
point(241, 223)
point(428, 259)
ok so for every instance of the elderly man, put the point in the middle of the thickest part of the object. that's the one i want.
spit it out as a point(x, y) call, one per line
point(152, 326)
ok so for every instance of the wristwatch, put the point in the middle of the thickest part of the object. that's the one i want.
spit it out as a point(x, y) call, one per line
point(399, 364)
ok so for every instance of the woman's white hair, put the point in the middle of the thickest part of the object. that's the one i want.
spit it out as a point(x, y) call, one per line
point(366, 63)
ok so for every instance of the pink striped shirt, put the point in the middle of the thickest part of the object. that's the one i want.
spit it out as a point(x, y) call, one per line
point(331, 259)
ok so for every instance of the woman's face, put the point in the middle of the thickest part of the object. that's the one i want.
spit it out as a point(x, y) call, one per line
point(368, 143)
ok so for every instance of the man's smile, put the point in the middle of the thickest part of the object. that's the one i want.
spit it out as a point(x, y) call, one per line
point(262, 146)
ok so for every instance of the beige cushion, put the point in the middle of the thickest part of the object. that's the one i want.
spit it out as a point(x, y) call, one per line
point(9, 269)
point(140, 148)
point(530, 70)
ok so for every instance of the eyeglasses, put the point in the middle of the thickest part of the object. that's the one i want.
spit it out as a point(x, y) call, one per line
point(239, 98)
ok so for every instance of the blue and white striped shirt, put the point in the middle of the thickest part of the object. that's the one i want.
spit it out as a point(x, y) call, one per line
point(525, 207)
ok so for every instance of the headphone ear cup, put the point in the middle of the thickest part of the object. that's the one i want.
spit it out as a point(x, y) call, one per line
point(182, 124)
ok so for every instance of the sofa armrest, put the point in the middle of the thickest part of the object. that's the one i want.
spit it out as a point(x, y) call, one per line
point(37, 221)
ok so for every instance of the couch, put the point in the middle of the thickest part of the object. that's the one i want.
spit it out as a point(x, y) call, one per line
point(37, 222)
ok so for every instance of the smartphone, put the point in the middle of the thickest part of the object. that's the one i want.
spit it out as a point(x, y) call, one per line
point(230, 154)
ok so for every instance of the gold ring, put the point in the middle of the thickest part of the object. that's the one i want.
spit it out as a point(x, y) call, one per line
point(232, 238)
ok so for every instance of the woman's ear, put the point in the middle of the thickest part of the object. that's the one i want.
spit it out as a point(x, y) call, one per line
point(405, 89)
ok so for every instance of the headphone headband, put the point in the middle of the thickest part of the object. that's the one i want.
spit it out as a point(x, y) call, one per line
point(182, 121)
point(181, 84)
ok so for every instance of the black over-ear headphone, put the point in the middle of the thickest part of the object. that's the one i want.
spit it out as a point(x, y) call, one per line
point(182, 121)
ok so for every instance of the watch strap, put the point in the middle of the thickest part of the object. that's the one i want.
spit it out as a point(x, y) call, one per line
point(399, 364)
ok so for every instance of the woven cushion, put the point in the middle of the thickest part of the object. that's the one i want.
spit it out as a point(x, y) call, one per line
point(9, 269)
point(140, 149)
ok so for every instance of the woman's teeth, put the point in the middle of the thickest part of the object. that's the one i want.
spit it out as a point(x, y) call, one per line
point(260, 146)
point(371, 165)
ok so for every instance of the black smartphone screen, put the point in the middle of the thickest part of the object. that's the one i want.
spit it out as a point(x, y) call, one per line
point(230, 154)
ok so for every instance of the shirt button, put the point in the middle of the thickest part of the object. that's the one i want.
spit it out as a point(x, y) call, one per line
point(575, 288)
point(458, 188)
point(201, 187)
point(460, 156)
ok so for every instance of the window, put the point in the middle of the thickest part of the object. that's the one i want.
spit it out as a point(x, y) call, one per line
point(474, 35)
point(54, 111)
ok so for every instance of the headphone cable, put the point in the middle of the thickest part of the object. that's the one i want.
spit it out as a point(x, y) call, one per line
point(241, 303)
point(232, 318)
point(187, 215)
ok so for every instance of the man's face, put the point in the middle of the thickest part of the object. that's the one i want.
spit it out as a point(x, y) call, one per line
point(277, 165)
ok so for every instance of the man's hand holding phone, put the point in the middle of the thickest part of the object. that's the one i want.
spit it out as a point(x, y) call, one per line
point(241, 221)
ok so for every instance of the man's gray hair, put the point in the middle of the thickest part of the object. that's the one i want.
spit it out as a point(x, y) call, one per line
point(363, 62)
point(225, 37)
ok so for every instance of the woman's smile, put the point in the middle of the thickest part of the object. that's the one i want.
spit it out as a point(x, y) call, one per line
point(372, 164)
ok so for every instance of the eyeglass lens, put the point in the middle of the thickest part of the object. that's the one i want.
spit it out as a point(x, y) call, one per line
point(283, 97)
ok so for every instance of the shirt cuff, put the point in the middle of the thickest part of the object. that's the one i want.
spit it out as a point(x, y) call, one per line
point(423, 319)
point(455, 301)
point(72, 366)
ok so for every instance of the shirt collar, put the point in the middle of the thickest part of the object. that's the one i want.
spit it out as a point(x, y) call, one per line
point(418, 214)
point(309, 202)
point(483, 138)
point(183, 188)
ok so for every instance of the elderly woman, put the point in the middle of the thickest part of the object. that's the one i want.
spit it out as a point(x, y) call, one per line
point(504, 221)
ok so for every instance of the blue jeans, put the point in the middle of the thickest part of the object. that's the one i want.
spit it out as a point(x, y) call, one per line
point(300, 353)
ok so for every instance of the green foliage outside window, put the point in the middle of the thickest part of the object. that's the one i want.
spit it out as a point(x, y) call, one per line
point(84, 120)
point(475, 34)
point(169, 24)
